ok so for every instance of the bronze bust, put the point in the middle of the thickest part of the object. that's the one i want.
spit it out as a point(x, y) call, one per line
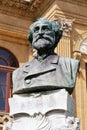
point(47, 71)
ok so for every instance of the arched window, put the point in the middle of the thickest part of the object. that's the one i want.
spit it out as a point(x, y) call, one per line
point(83, 46)
point(8, 63)
point(83, 50)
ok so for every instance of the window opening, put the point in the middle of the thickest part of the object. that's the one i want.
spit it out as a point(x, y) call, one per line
point(8, 63)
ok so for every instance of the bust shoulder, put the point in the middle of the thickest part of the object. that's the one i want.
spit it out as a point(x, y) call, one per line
point(69, 62)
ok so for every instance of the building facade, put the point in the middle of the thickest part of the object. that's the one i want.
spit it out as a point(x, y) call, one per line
point(15, 18)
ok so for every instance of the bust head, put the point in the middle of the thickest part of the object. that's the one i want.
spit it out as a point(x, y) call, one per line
point(44, 34)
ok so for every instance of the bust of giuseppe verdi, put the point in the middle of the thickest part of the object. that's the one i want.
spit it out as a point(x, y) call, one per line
point(47, 71)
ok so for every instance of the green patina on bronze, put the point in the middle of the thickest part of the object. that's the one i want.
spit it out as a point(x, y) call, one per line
point(49, 27)
point(47, 71)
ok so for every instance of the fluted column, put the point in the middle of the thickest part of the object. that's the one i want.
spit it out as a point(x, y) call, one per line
point(64, 46)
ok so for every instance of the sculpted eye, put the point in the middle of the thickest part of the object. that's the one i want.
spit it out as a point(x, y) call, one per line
point(45, 28)
point(36, 29)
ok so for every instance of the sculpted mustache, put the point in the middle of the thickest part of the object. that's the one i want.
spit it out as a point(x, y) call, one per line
point(46, 37)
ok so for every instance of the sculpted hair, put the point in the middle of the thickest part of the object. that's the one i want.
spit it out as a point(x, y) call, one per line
point(55, 27)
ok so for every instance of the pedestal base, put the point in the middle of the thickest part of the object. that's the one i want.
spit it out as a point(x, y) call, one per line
point(52, 110)
point(52, 121)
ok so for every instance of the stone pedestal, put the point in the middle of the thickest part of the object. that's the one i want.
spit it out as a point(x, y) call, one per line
point(51, 110)
point(43, 103)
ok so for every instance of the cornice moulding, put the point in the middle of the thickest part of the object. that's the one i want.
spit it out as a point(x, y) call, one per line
point(78, 2)
point(44, 6)
point(78, 18)
point(17, 33)
point(12, 39)
point(20, 8)
point(35, 5)
point(15, 12)
point(28, 7)
point(17, 3)
point(46, 10)
point(58, 13)
point(14, 29)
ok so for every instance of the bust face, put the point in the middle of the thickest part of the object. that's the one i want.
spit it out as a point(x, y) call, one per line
point(43, 35)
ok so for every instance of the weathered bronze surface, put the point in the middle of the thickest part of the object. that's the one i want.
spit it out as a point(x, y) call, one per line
point(47, 71)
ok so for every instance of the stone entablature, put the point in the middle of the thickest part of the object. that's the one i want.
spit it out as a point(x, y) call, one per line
point(21, 8)
point(51, 8)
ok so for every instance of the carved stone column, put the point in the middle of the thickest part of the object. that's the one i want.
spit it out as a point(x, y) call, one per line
point(64, 47)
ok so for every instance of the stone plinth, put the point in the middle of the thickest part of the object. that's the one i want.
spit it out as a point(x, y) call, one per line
point(52, 110)
point(43, 103)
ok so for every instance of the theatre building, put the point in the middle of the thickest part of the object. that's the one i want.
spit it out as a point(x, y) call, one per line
point(15, 18)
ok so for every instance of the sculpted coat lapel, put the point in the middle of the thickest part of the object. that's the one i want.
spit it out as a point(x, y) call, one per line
point(54, 72)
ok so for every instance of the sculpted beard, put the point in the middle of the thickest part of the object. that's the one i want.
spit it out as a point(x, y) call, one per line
point(44, 41)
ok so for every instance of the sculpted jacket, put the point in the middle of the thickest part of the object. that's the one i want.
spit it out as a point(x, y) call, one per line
point(52, 73)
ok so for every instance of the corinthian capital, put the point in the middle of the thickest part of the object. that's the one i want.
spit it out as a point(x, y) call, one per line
point(66, 25)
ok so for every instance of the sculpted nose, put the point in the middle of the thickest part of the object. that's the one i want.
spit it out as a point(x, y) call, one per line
point(40, 32)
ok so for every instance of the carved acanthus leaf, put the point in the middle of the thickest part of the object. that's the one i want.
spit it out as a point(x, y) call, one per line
point(66, 25)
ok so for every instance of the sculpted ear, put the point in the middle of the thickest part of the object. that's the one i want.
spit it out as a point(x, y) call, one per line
point(30, 33)
point(58, 35)
point(58, 31)
point(29, 37)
